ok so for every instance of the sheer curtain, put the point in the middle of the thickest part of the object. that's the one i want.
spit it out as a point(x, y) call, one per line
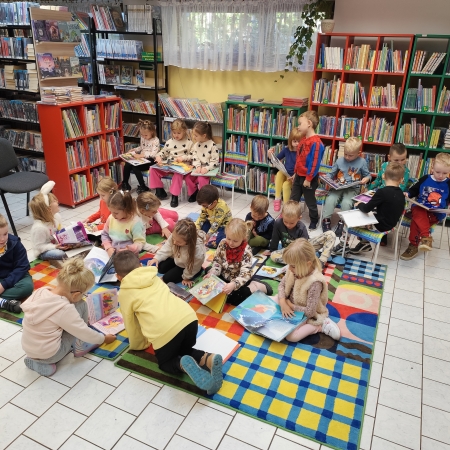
point(231, 35)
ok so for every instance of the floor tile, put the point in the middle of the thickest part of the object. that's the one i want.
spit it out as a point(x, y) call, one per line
point(406, 330)
point(298, 439)
point(385, 314)
point(11, 348)
point(434, 261)
point(416, 263)
point(13, 422)
point(436, 395)
point(436, 329)
point(229, 443)
point(147, 380)
point(409, 284)
point(230, 412)
point(400, 396)
point(437, 348)
point(438, 285)
point(86, 396)
point(155, 426)
point(402, 371)
point(8, 390)
point(431, 444)
point(280, 443)
point(389, 286)
point(375, 375)
point(105, 427)
point(407, 312)
point(408, 298)
point(127, 443)
point(93, 358)
point(20, 373)
point(409, 272)
point(251, 431)
point(435, 312)
point(436, 369)
point(382, 331)
point(76, 443)
point(366, 433)
point(55, 426)
point(177, 401)
point(435, 424)
point(398, 427)
point(378, 353)
point(386, 299)
point(70, 370)
point(7, 329)
point(404, 349)
point(106, 371)
point(436, 272)
point(133, 395)
point(435, 297)
point(23, 443)
point(193, 426)
point(382, 444)
point(371, 402)
point(40, 395)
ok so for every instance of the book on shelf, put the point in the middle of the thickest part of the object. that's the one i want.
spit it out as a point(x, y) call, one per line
point(80, 187)
point(284, 122)
point(353, 94)
point(389, 60)
point(126, 74)
point(92, 118)
point(414, 134)
point(19, 110)
point(297, 102)
point(31, 164)
point(71, 123)
point(191, 108)
point(138, 105)
point(338, 183)
point(214, 341)
point(52, 29)
point(437, 137)
point(130, 129)
point(114, 145)
point(385, 97)
point(15, 47)
point(428, 208)
point(329, 156)
point(327, 91)
point(365, 197)
point(237, 118)
point(108, 73)
point(374, 161)
point(349, 126)
point(330, 58)
point(97, 174)
point(139, 77)
point(257, 150)
point(432, 64)
point(420, 98)
point(115, 171)
point(112, 115)
point(260, 120)
point(326, 125)
point(103, 312)
point(75, 66)
point(236, 144)
point(257, 179)
point(46, 65)
point(443, 105)
point(415, 165)
point(140, 18)
point(360, 57)
point(16, 13)
point(101, 265)
point(131, 159)
point(82, 18)
point(76, 155)
point(83, 49)
point(96, 150)
point(86, 70)
point(119, 49)
point(22, 139)
point(108, 18)
point(379, 130)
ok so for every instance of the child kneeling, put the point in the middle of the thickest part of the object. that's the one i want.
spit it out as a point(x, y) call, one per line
point(55, 317)
point(154, 316)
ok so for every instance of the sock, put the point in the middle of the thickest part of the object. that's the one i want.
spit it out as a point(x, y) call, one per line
point(2, 301)
point(256, 286)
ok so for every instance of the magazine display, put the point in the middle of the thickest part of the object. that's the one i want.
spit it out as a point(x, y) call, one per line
point(103, 314)
point(279, 165)
point(101, 265)
point(338, 184)
point(130, 158)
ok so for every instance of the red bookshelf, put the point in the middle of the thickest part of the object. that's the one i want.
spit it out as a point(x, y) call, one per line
point(55, 147)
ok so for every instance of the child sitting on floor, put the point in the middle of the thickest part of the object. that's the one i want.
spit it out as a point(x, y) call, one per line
point(305, 289)
point(259, 223)
point(56, 316)
point(15, 281)
point(154, 316)
point(105, 188)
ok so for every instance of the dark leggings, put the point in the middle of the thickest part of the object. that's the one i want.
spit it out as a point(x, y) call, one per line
point(137, 170)
point(171, 272)
point(169, 355)
point(308, 193)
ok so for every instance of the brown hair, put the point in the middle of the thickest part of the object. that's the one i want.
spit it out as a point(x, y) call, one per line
point(186, 230)
point(107, 185)
point(40, 210)
point(148, 201)
point(147, 125)
point(302, 255)
point(3, 221)
point(75, 276)
point(259, 204)
point(294, 135)
point(398, 148)
point(125, 262)
point(179, 124)
point(394, 172)
point(292, 209)
point(207, 194)
point(236, 228)
point(312, 116)
point(123, 201)
point(203, 128)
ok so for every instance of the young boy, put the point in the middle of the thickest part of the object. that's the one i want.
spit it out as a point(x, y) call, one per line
point(289, 227)
point(389, 202)
point(431, 191)
point(154, 316)
point(214, 217)
point(309, 154)
point(15, 281)
point(259, 223)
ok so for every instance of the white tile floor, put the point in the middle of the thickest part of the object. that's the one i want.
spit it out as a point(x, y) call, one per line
point(90, 404)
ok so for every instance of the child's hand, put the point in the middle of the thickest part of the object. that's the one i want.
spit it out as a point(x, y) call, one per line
point(356, 204)
point(207, 237)
point(110, 251)
point(306, 184)
point(266, 253)
point(271, 151)
point(254, 232)
point(207, 275)
point(365, 180)
point(291, 179)
point(139, 156)
point(179, 159)
point(229, 288)
point(406, 194)
point(63, 247)
point(152, 262)
point(109, 338)
point(158, 160)
point(203, 170)
point(166, 233)
point(188, 283)
point(286, 310)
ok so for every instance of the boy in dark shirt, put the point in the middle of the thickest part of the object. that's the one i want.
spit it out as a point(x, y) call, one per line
point(259, 223)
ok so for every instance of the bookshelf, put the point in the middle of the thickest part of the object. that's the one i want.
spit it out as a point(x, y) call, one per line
point(75, 160)
point(421, 112)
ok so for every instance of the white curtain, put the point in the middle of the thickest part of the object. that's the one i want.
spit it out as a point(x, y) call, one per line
point(231, 35)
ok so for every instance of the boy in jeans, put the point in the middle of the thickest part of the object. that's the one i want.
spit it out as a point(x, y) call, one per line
point(309, 154)
point(259, 223)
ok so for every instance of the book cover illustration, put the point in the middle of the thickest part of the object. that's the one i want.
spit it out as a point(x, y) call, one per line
point(271, 272)
point(126, 75)
point(64, 64)
point(365, 197)
point(101, 265)
point(178, 167)
point(207, 289)
point(52, 30)
point(73, 31)
point(339, 182)
point(58, 72)
point(279, 165)
point(75, 66)
point(112, 74)
point(116, 14)
point(73, 236)
point(430, 199)
point(103, 314)
point(46, 65)
point(64, 31)
point(140, 77)
point(40, 31)
point(129, 158)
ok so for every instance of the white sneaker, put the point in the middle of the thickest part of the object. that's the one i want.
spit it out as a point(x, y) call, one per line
point(331, 329)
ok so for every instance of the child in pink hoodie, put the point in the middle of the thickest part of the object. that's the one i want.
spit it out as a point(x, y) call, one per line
point(56, 316)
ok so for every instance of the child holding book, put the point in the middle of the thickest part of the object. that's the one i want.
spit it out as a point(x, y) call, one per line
point(148, 149)
point(175, 150)
point(124, 229)
point(283, 184)
point(214, 216)
point(431, 191)
point(309, 155)
point(105, 188)
point(15, 281)
point(182, 256)
point(56, 316)
point(154, 316)
point(259, 223)
point(233, 263)
point(304, 289)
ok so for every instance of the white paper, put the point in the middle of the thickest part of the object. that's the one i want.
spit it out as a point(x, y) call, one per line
point(213, 341)
point(356, 218)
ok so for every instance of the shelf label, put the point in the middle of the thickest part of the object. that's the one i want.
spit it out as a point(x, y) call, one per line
point(360, 137)
point(421, 144)
point(424, 108)
point(325, 101)
point(346, 136)
point(319, 66)
point(370, 139)
point(146, 66)
point(347, 67)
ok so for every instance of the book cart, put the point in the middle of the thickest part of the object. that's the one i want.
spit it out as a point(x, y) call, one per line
point(77, 158)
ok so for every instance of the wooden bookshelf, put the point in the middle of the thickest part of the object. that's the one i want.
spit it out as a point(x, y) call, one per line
point(55, 146)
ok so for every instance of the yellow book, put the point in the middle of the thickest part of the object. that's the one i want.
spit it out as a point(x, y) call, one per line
point(217, 303)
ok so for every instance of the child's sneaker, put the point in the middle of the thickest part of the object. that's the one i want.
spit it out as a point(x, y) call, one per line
point(426, 244)
point(313, 225)
point(12, 306)
point(193, 197)
point(142, 189)
point(331, 329)
point(339, 229)
point(361, 247)
point(46, 370)
point(326, 225)
point(337, 251)
point(161, 193)
point(410, 253)
point(125, 186)
point(174, 201)
point(277, 205)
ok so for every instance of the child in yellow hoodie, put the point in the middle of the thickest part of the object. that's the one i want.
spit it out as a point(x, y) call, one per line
point(153, 315)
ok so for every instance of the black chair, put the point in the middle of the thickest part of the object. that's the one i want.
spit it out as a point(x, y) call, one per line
point(17, 182)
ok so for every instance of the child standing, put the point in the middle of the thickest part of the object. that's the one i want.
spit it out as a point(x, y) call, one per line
point(309, 155)
point(431, 191)
point(154, 316)
point(259, 223)
point(214, 217)
point(304, 289)
point(233, 263)
point(105, 188)
point(56, 316)
point(176, 149)
point(282, 182)
point(124, 229)
point(15, 281)
point(204, 155)
point(148, 149)
point(182, 256)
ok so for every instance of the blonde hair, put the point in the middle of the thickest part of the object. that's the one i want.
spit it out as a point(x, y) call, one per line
point(3, 221)
point(394, 172)
point(148, 201)
point(292, 209)
point(179, 124)
point(442, 158)
point(237, 228)
point(294, 135)
point(352, 144)
point(302, 255)
point(186, 229)
point(75, 276)
point(312, 116)
point(259, 204)
point(40, 210)
point(107, 185)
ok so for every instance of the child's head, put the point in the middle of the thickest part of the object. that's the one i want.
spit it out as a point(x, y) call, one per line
point(308, 120)
point(122, 205)
point(294, 139)
point(208, 196)
point(394, 173)
point(291, 213)
point(179, 129)
point(148, 204)
point(3, 231)
point(75, 279)
point(185, 235)
point(235, 232)
point(125, 262)
point(441, 167)
point(43, 211)
point(202, 132)
point(398, 154)
point(352, 147)
point(106, 187)
point(301, 257)
point(259, 207)
point(147, 129)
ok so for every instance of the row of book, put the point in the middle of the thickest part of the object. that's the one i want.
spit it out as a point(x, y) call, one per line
point(138, 105)
point(414, 133)
point(130, 129)
point(329, 156)
point(116, 171)
point(431, 65)
point(284, 122)
point(112, 115)
point(24, 139)
point(115, 74)
point(379, 130)
point(326, 125)
point(19, 110)
point(71, 123)
point(16, 13)
point(108, 18)
point(31, 164)
point(384, 97)
point(260, 121)
point(97, 174)
point(352, 94)
point(327, 91)
point(389, 60)
point(92, 119)
point(237, 118)
point(86, 71)
point(96, 150)
point(236, 144)
point(15, 47)
point(420, 98)
point(56, 31)
point(14, 77)
point(257, 179)
point(80, 187)
point(349, 126)
point(443, 105)
point(62, 66)
point(119, 49)
point(437, 138)
point(257, 150)
point(83, 49)
point(331, 57)
point(76, 155)
point(374, 161)
point(139, 18)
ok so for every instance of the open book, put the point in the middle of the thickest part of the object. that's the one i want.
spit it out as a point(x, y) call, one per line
point(279, 165)
point(438, 210)
point(365, 197)
point(73, 236)
point(209, 293)
point(101, 265)
point(129, 158)
point(211, 173)
point(176, 167)
point(270, 272)
point(259, 314)
point(213, 341)
point(356, 218)
point(336, 184)
point(103, 314)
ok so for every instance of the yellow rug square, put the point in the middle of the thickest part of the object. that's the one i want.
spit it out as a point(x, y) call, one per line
point(251, 398)
point(308, 419)
point(344, 408)
point(247, 355)
point(228, 389)
point(347, 388)
point(325, 363)
point(288, 389)
point(255, 340)
point(270, 363)
point(301, 355)
point(277, 347)
point(321, 380)
point(315, 398)
point(294, 371)
point(262, 379)
point(280, 409)
point(238, 371)
point(351, 371)
point(339, 430)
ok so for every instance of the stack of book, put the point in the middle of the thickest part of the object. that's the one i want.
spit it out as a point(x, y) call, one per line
point(19, 110)
point(257, 150)
point(238, 97)
point(138, 105)
point(237, 118)
point(414, 133)
point(236, 144)
point(260, 120)
point(349, 126)
point(327, 91)
point(437, 138)
point(140, 18)
point(326, 125)
point(297, 102)
point(76, 155)
point(443, 105)
point(72, 125)
point(111, 116)
point(353, 94)
point(415, 163)
point(56, 31)
point(16, 13)
point(96, 175)
point(14, 47)
point(331, 58)
point(379, 130)
point(374, 161)
point(119, 49)
point(384, 97)
point(75, 93)
point(108, 18)
point(55, 95)
point(80, 187)
point(432, 64)
point(360, 58)
point(420, 98)
point(92, 118)
point(391, 61)
point(130, 129)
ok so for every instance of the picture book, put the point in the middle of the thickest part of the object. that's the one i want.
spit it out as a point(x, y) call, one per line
point(180, 292)
point(129, 158)
point(177, 167)
point(126, 75)
point(112, 74)
point(46, 65)
point(64, 64)
point(211, 173)
point(438, 210)
point(270, 272)
point(356, 218)
point(207, 289)
point(259, 314)
point(40, 31)
point(101, 265)
point(57, 67)
point(52, 30)
point(140, 77)
point(279, 165)
point(75, 66)
point(214, 341)
point(74, 31)
point(365, 197)
point(116, 14)
point(103, 314)
point(337, 184)
point(64, 31)
point(72, 236)
point(217, 303)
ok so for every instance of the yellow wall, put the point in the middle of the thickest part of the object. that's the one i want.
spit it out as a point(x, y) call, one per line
point(215, 86)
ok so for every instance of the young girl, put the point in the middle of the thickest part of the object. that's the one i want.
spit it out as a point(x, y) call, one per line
point(148, 149)
point(124, 229)
point(305, 289)
point(56, 316)
point(182, 256)
point(47, 221)
point(233, 263)
point(282, 182)
point(176, 149)
point(204, 155)
point(105, 188)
